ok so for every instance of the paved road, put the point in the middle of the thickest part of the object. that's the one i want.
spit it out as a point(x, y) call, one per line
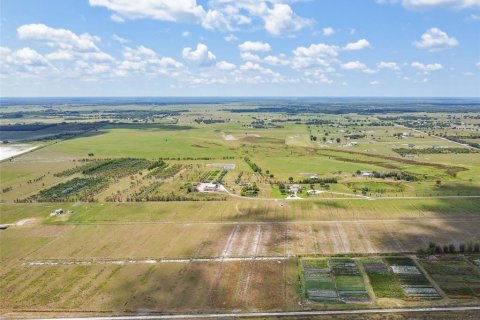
point(442, 138)
point(274, 314)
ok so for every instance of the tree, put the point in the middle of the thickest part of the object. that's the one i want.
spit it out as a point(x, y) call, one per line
point(338, 140)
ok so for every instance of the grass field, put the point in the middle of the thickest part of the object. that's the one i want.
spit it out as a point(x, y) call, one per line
point(137, 236)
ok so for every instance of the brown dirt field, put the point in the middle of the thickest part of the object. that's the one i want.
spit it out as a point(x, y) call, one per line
point(139, 288)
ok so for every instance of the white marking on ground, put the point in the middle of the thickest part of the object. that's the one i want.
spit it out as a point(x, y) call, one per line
point(96, 261)
point(242, 250)
point(344, 238)
point(228, 246)
point(314, 239)
point(256, 241)
point(323, 240)
point(366, 237)
point(288, 243)
point(338, 246)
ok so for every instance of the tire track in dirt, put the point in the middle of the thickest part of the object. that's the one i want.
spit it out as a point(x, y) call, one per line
point(337, 243)
point(228, 246)
point(344, 238)
point(288, 242)
point(244, 241)
point(258, 237)
point(366, 238)
point(256, 241)
point(322, 239)
point(313, 238)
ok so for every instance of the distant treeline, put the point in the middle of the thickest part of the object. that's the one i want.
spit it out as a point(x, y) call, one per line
point(460, 140)
point(197, 158)
point(365, 108)
point(405, 151)
point(253, 165)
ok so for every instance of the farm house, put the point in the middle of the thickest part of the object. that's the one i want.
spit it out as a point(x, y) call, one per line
point(295, 188)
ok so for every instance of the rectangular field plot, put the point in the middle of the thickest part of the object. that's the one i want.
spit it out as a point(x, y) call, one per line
point(348, 280)
point(334, 280)
point(382, 279)
point(412, 280)
point(166, 287)
point(456, 276)
point(319, 281)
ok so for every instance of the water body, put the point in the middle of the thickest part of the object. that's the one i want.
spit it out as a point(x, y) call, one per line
point(12, 150)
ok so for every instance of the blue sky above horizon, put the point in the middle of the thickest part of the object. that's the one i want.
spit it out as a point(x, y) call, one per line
point(240, 48)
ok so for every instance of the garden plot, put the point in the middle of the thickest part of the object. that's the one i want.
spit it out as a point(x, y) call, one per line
point(319, 281)
point(77, 189)
point(334, 280)
point(454, 274)
point(348, 280)
point(209, 176)
point(382, 279)
point(412, 280)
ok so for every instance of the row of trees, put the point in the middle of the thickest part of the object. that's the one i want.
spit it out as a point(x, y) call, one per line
point(434, 248)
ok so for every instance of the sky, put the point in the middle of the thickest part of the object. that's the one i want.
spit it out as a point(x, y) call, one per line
point(399, 48)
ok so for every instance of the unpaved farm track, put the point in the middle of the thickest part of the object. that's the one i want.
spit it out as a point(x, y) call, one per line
point(302, 314)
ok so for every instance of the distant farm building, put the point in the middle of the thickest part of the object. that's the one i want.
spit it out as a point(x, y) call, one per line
point(295, 188)
point(224, 166)
point(210, 187)
point(57, 212)
point(366, 174)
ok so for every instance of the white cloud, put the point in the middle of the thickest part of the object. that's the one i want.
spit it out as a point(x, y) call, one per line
point(359, 45)
point(388, 65)
point(166, 10)
point(473, 17)
point(70, 45)
point(435, 39)
point(226, 15)
point(328, 31)
point(200, 55)
point(254, 46)
point(248, 56)
point(185, 33)
point(357, 65)
point(427, 67)
point(231, 37)
point(354, 65)
point(30, 57)
point(281, 20)
point(279, 60)
point(62, 38)
point(25, 61)
point(318, 55)
point(432, 4)
point(120, 39)
point(143, 60)
point(224, 65)
point(375, 83)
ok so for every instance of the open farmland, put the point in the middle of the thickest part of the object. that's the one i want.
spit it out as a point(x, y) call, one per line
point(220, 208)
